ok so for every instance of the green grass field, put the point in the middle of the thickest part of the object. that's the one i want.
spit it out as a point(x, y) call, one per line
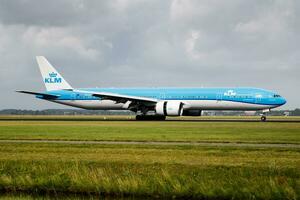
point(154, 171)
point(222, 131)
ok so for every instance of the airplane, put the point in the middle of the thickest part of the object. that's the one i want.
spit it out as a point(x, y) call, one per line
point(154, 103)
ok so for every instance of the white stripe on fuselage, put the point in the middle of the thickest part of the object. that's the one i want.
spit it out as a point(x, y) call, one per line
point(223, 105)
point(92, 104)
point(188, 104)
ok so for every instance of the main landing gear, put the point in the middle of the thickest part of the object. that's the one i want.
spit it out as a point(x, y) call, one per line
point(150, 117)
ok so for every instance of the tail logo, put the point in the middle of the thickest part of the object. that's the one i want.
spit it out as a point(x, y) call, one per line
point(53, 78)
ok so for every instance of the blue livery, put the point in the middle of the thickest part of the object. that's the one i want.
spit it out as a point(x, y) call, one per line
point(155, 102)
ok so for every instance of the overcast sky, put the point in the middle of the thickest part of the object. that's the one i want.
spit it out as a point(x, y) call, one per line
point(150, 43)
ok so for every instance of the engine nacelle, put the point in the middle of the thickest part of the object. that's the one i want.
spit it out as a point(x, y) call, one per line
point(169, 108)
point(191, 113)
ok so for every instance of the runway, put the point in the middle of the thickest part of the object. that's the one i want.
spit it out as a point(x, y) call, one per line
point(132, 119)
point(204, 144)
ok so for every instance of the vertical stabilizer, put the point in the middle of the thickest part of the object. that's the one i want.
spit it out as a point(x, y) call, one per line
point(52, 79)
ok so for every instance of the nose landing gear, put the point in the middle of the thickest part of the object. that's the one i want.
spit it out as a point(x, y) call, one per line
point(263, 118)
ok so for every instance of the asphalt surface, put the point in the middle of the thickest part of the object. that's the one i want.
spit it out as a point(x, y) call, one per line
point(207, 144)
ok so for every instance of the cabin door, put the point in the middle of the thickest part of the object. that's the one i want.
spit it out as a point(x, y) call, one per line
point(258, 98)
point(219, 97)
point(162, 95)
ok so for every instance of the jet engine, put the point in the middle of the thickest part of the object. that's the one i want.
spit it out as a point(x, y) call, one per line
point(169, 108)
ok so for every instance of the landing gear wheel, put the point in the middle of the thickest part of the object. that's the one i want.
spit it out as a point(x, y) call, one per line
point(139, 117)
point(263, 118)
point(150, 118)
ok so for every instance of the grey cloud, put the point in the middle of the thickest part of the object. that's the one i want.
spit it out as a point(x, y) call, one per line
point(130, 43)
point(50, 13)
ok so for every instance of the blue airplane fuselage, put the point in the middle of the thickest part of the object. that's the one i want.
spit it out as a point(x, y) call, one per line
point(223, 98)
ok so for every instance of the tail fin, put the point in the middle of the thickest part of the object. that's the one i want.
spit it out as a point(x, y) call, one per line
point(52, 79)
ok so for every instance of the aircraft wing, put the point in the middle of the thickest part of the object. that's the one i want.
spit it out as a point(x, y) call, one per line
point(120, 97)
point(43, 95)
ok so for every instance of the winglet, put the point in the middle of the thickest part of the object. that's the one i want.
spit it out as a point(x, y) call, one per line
point(52, 79)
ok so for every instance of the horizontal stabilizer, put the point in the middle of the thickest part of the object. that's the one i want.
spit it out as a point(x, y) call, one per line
point(43, 95)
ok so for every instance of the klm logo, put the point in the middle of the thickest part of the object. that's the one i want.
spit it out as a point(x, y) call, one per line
point(230, 93)
point(53, 78)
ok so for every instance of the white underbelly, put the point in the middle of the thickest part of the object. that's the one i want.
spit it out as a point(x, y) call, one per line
point(223, 105)
point(189, 104)
point(92, 104)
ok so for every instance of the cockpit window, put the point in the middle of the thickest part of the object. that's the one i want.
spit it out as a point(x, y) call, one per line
point(277, 95)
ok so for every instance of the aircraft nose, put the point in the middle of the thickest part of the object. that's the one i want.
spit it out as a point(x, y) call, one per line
point(283, 101)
